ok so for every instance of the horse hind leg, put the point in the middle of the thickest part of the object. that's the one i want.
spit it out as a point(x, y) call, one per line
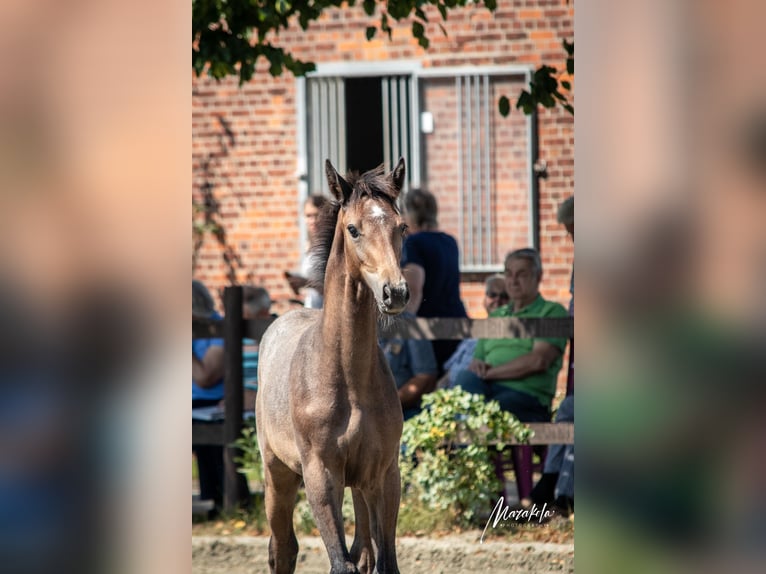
point(281, 487)
point(362, 552)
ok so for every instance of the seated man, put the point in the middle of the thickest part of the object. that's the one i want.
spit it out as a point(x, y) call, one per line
point(413, 365)
point(519, 373)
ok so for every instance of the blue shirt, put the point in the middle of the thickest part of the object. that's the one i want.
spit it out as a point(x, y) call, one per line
point(460, 359)
point(407, 358)
point(199, 348)
point(437, 253)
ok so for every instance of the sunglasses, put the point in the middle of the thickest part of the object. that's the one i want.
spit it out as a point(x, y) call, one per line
point(494, 295)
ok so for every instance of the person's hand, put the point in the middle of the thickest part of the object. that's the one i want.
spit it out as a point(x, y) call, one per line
point(479, 368)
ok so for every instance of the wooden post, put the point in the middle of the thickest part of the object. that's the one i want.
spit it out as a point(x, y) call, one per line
point(232, 393)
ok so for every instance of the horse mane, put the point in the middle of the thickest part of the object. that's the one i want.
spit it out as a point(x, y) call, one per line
point(373, 183)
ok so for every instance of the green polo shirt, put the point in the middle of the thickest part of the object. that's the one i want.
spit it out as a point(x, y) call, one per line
point(500, 351)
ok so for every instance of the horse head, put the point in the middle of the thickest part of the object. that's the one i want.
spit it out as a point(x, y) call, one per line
point(372, 230)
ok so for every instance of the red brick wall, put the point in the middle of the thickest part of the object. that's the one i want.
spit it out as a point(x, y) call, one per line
point(245, 142)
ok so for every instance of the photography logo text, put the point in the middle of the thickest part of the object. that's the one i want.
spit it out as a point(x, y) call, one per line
point(503, 513)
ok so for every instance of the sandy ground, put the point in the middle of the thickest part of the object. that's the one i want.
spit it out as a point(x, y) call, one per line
point(454, 554)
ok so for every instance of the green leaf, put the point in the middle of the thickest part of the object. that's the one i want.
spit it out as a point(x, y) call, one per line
point(443, 11)
point(504, 106)
point(417, 30)
point(566, 85)
point(369, 7)
point(525, 102)
point(282, 6)
point(424, 43)
point(370, 32)
point(547, 100)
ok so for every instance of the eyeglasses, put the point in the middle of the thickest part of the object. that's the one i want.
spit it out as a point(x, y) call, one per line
point(494, 295)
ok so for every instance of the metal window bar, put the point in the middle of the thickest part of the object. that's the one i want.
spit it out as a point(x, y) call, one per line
point(469, 165)
point(475, 217)
point(488, 180)
point(404, 117)
point(477, 150)
point(384, 89)
point(461, 211)
point(327, 110)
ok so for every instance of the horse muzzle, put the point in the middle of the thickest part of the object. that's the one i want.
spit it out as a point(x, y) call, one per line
point(395, 298)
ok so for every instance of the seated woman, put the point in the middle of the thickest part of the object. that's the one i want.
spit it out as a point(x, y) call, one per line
point(207, 390)
point(494, 297)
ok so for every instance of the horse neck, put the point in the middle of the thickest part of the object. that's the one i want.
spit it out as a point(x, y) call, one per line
point(349, 316)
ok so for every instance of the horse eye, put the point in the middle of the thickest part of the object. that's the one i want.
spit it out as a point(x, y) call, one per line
point(404, 227)
point(353, 231)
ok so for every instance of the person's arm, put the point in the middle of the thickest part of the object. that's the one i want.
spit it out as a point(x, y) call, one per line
point(411, 391)
point(207, 372)
point(424, 369)
point(539, 359)
point(415, 276)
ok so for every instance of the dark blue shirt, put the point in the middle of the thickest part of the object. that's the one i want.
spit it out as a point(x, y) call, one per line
point(437, 253)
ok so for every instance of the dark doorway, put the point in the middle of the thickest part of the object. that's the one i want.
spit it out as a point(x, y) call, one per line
point(364, 124)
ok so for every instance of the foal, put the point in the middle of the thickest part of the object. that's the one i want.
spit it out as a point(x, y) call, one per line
point(327, 408)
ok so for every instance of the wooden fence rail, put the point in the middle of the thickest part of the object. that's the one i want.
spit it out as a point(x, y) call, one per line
point(233, 328)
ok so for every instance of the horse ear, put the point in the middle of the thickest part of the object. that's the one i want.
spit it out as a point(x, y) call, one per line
point(338, 186)
point(397, 176)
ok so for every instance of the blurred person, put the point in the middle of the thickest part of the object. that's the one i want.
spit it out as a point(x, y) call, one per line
point(207, 391)
point(256, 304)
point(565, 217)
point(413, 365)
point(494, 296)
point(312, 294)
point(520, 374)
point(431, 266)
point(556, 486)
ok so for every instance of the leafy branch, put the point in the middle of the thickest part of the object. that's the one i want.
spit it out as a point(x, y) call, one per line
point(544, 88)
point(230, 36)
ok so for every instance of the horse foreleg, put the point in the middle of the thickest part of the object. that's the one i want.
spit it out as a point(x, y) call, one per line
point(362, 552)
point(383, 504)
point(281, 487)
point(324, 490)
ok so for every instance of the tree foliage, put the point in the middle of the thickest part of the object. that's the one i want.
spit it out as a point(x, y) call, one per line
point(230, 36)
point(545, 88)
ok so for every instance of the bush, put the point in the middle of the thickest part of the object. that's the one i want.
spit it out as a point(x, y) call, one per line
point(249, 463)
point(448, 451)
point(447, 463)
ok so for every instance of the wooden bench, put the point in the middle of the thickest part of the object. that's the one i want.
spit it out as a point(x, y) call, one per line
point(234, 328)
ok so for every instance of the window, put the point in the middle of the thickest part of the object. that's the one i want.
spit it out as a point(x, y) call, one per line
point(477, 163)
